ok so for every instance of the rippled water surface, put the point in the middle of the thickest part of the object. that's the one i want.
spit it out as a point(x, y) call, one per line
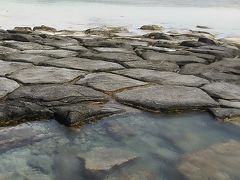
point(47, 150)
point(221, 15)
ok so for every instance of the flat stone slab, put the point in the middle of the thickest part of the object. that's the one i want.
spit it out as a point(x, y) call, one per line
point(219, 161)
point(223, 90)
point(114, 57)
point(55, 94)
point(7, 86)
point(179, 59)
point(112, 50)
point(30, 58)
point(59, 53)
point(154, 65)
point(83, 64)
point(40, 74)
point(10, 67)
point(25, 45)
point(163, 77)
point(7, 50)
point(103, 159)
point(232, 104)
point(109, 82)
point(166, 97)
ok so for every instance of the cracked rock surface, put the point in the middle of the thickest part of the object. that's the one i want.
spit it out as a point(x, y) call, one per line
point(78, 79)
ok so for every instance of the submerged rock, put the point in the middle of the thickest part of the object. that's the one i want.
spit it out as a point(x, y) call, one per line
point(219, 161)
point(103, 159)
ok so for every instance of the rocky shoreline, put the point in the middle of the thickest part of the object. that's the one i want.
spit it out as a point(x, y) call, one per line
point(79, 77)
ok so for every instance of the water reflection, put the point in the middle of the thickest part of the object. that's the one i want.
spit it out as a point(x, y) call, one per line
point(149, 145)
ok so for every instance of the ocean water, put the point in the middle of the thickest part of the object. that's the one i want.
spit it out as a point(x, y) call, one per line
point(47, 150)
point(220, 15)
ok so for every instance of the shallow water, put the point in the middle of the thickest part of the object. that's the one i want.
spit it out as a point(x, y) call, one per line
point(221, 15)
point(47, 150)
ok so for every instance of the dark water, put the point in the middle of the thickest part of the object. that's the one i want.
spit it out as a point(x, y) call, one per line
point(47, 150)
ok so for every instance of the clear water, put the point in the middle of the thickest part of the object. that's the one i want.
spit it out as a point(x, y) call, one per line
point(221, 15)
point(47, 150)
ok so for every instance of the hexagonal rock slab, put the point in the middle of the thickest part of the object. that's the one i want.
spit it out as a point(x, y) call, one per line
point(219, 161)
point(179, 59)
point(166, 97)
point(163, 77)
point(7, 86)
point(223, 90)
point(10, 67)
point(58, 53)
point(103, 159)
point(39, 74)
point(30, 58)
point(25, 45)
point(109, 82)
point(83, 64)
point(154, 65)
point(56, 94)
point(114, 57)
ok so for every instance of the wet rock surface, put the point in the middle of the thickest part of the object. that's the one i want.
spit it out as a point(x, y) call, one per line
point(75, 75)
point(215, 162)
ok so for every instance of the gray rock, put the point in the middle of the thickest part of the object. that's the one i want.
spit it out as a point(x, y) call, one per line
point(10, 67)
point(7, 50)
point(166, 98)
point(25, 45)
point(158, 35)
point(232, 104)
point(192, 44)
point(229, 115)
point(54, 94)
point(219, 76)
point(207, 41)
point(114, 57)
point(179, 59)
point(7, 86)
point(223, 90)
point(77, 48)
point(151, 27)
point(60, 41)
point(105, 43)
point(112, 50)
point(14, 112)
point(83, 64)
point(53, 53)
point(154, 65)
point(44, 28)
point(105, 31)
point(84, 113)
point(108, 82)
point(219, 161)
point(39, 74)
point(163, 77)
point(103, 159)
point(30, 58)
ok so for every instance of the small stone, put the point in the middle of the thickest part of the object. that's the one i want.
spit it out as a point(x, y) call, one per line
point(163, 77)
point(83, 64)
point(223, 90)
point(109, 82)
point(7, 86)
point(151, 27)
point(166, 98)
point(103, 159)
point(179, 59)
point(40, 74)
